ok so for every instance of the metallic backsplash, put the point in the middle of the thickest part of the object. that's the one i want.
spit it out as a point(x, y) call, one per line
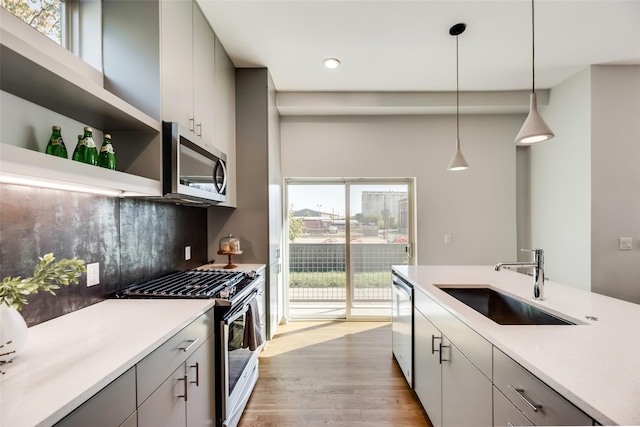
point(133, 240)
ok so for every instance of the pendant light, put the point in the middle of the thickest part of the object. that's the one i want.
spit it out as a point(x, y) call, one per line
point(458, 162)
point(534, 128)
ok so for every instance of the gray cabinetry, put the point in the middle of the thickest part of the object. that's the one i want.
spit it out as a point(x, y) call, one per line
point(166, 406)
point(188, 66)
point(443, 368)
point(112, 406)
point(505, 413)
point(258, 221)
point(201, 408)
point(539, 402)
point(427, 372)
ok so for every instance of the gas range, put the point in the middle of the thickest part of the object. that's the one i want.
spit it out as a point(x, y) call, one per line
point(226, 287)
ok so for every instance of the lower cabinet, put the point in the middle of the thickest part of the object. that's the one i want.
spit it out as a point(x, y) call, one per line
point(539, 402)
point(173, 386)
point(186, 398)
point(112, 406)
point(427, 370)
point(452, 390)
point(505, 413)
point(463, 380)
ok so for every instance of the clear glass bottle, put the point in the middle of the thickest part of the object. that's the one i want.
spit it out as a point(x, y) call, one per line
point(107, 156)
point(78, 153)
point(90, 151)
point(56, 146)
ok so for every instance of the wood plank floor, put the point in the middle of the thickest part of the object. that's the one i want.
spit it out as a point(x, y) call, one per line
point(332, 374)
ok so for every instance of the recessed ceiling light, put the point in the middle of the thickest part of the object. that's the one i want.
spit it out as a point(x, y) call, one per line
point(331, 63)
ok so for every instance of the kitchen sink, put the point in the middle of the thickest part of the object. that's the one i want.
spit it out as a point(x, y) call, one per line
point(502, 308)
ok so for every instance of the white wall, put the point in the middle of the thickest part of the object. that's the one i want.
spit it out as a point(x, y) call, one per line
point(561, 184)
point(477, 207)
point(615, 149)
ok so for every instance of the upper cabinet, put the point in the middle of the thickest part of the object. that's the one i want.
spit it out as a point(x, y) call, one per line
point(161, 61)
point(187, 67)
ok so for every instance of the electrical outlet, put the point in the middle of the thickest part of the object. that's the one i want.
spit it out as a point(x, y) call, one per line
point(447, 239)
point(626, 243)
point(187, 253)
point(93, 274)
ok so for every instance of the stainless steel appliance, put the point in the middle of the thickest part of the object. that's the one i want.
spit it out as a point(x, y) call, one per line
point(234, 292)
point(193, 171)
point(402, 324)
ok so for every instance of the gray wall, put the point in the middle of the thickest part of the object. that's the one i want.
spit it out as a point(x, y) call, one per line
point(561, 185)
point(133, 240)
point(585, 183)
point(615, 180)
point(477, 207)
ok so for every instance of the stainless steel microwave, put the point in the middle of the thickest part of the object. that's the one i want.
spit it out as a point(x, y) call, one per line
point(193, 171)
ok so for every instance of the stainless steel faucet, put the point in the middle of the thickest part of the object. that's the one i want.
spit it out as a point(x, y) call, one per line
point(538, 270)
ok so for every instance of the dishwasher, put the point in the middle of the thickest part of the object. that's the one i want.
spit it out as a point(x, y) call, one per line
point(402, 325)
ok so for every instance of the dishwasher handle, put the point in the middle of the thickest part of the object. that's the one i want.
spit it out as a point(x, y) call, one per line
point(399, 284)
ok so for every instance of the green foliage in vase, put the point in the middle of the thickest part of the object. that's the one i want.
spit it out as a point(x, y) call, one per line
point(47, 276)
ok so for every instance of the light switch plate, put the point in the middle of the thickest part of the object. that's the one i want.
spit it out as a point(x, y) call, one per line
point(626, 243)
point(447, 239)
point(187, 253)
point(93, 274)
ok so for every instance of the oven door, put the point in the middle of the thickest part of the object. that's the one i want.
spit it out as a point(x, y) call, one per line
point(240, 367)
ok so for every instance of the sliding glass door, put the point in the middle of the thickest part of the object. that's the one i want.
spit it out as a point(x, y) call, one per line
point(344, 236)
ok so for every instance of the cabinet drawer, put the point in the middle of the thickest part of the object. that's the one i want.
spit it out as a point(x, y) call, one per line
point(109, 407)
point(506, 413)
point(157, 366)
point(477, 349)
point(546, 406)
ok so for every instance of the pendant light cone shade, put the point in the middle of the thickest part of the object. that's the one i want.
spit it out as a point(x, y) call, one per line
point(534, 128)
point(458, 162)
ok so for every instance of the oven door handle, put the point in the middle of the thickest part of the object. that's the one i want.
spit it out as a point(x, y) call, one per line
point(236, 313)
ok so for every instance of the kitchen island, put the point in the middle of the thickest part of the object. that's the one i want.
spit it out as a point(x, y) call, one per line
point(69, 359)
point(595, 364)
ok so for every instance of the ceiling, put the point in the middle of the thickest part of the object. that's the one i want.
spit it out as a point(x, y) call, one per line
point(405, 46)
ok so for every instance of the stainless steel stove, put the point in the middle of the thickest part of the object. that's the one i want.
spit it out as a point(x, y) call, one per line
point(235, 293)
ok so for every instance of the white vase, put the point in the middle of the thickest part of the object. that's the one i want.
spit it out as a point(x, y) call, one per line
point(13, 333)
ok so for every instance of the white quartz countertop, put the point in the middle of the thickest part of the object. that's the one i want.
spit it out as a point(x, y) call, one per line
point(594, 364)
point(69, 359)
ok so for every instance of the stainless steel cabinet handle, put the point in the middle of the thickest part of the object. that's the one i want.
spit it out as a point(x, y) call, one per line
point(440, 347)
point(520, 392)
point(191, 343)
point(191, 123)
point(433, 338)
point(197, 381)
point(186, 387)
point(199, 127)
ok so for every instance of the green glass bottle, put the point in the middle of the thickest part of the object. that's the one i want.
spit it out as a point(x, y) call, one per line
point(107, 156)
point(78, 153)
point(90, 151)
point(56, 146)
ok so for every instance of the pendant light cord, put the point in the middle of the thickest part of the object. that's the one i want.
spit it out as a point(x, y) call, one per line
point(457, 95)
point(533, 49)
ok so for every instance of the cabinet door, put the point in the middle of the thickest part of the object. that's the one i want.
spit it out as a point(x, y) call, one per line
point(204, 43)
point(466, 392)
point(166, 407)
point(505, 413)
point(177, 61)
point(201, 410)
point(427, 377)
point(111, 406)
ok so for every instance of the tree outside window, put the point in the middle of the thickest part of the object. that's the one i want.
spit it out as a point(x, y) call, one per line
point(43, 15)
